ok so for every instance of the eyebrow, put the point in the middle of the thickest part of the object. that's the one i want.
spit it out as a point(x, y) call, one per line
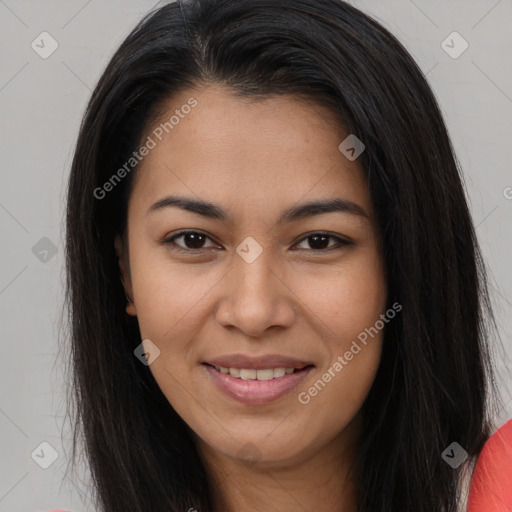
point(301, 211)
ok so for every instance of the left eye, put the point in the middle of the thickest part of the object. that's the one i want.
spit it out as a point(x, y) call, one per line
point(319, 239)
point(194, 240)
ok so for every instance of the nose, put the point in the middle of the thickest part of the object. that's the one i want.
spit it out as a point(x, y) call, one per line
point(256, 296)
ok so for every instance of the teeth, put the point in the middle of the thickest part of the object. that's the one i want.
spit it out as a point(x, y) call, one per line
point(251, 374)
point(278, 372)
point(248, 374)
point(234, 372)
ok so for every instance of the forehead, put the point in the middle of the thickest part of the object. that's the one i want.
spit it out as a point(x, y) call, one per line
point(252, 154)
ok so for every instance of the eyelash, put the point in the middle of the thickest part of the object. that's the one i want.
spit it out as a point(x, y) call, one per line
point(170, 241)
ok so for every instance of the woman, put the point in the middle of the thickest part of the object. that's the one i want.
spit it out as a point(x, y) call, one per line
point(277, 299)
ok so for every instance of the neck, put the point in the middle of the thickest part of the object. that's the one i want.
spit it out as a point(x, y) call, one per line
point(319, 480)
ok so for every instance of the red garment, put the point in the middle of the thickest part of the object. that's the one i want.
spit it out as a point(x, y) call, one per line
point(491, 482)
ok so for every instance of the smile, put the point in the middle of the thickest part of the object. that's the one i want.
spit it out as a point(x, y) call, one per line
point(252, 374)
point(256, 386)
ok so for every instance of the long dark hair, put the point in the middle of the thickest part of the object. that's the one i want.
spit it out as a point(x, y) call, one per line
point(435, 380)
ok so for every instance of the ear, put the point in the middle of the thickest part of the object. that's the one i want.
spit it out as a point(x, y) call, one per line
point(122, 259)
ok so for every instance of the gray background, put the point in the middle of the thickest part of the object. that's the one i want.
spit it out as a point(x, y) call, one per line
point(41, 103)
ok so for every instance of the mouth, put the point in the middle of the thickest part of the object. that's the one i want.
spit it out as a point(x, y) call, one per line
point(255, 386)
point(257, 374)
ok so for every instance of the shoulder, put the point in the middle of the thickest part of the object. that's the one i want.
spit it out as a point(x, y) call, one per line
point(491, 482)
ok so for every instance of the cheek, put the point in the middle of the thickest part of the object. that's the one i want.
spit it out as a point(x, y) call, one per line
point(169, 297)
point(346, 300)
point(349, 304)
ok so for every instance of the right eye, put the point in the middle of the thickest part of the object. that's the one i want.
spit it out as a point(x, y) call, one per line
point(195, 239)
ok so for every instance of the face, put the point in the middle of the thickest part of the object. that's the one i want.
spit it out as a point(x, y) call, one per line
point(255, 300)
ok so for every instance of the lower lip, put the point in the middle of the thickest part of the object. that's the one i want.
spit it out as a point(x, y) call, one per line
point(256, 391)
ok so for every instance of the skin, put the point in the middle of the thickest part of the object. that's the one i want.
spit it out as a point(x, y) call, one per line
point(254, 159)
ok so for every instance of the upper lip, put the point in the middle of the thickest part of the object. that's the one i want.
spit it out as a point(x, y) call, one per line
point(257, 363)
